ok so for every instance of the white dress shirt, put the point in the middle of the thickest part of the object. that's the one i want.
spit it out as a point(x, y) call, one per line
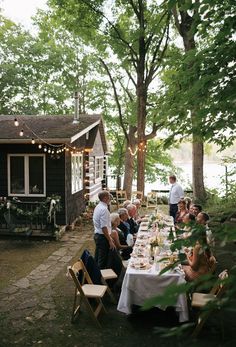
point(176, 193)
point(101, 218)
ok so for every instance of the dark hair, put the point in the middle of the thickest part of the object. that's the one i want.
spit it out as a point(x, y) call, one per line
point(199, 207)
point(103, 194)
point(191, 217)
point(173, 177)
point(205, 216)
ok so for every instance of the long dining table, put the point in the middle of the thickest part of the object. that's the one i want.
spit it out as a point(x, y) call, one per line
point(143, 279)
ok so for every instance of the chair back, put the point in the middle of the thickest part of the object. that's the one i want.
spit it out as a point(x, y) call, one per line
point(220, 287)
point(78, 271)
point(91, 266)
point(121, 197)
point(137, 195)
point(151, 199)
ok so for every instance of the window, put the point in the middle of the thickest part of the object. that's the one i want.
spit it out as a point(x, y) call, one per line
point(26, 174)
point(76, 172)
point(99, 168)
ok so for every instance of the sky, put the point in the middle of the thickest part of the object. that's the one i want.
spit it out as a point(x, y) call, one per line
point(21, 11)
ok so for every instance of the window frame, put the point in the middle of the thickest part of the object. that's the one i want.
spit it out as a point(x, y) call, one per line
point(100, 171)
point(26, 174)
point(81, 175)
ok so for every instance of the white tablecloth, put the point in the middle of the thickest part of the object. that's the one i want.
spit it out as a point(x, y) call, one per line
point(140, 285)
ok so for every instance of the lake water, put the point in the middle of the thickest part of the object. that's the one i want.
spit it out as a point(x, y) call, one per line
point(213, 174)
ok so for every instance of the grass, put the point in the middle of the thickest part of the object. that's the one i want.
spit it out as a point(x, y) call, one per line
point(19, 257)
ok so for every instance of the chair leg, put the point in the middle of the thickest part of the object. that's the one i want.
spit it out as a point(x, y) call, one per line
point(76, 307)
point(109, 292)
point(201, 321)
point(94, 314)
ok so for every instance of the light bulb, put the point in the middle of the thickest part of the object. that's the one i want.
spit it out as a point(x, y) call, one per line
point(33, 141)
point(40, 146)
point(16, 122)
point(22, 132)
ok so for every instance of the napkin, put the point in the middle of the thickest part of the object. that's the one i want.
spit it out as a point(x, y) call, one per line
point(130, 240)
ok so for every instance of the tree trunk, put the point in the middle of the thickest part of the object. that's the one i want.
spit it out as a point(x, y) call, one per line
point(129, 171)
point(141, 170)
point(197, 170)
point(199, 193)
point(129, 161)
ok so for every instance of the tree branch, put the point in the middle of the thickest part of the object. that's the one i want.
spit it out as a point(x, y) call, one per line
point(176, 19)
point(112, 25)
point(153, 67)
point(116, 99)
point(134, 8)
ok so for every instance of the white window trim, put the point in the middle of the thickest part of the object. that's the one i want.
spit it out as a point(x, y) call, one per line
point(26, 173)
point(82, 173)
point(100, 178)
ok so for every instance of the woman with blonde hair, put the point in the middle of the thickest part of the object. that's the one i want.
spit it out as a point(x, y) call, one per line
point(118, 237)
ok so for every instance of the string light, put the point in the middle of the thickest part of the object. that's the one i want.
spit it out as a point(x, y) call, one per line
point(49, 147)
point(140, 148)
point(131, 152)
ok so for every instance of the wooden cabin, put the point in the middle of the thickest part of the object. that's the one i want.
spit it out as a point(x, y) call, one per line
point(44, 157)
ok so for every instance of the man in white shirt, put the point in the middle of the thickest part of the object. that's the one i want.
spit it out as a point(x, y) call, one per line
point(176, 193)
point(102, 229)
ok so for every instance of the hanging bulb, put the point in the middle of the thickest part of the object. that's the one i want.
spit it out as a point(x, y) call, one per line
point(22, 132)
point(16, 122)
point(33, 141)
point(49, 150)
point(45, 149)
point(40, 146)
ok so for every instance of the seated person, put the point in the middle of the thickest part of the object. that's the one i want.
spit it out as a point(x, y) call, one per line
point(133, 224)
point(119, 238)
point(200, 260)
point(202, 218)
point(188, 220)
point(137, 216)
point(182, 211)
point(126, 203)
point(195, 209)
point(124, 225)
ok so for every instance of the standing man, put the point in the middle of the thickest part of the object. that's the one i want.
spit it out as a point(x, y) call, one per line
point(102, 229)
point(176, 193)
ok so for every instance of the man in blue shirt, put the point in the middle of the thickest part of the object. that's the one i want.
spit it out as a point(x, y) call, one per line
point(176, 193)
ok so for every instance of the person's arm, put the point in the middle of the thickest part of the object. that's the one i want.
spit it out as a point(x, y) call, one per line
point(108, 237)
point(105, 220)
point(193, 259)
point(115, 237)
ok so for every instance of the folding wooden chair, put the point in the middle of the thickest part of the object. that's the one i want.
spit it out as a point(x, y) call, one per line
point(98, 276)
point(85, 291)
point(199, 300)
point(108, 274)
point(151, 200)
point(121, 197)
point(137, 195)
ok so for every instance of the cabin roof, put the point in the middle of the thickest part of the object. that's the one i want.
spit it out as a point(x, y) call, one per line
point(53, 128)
